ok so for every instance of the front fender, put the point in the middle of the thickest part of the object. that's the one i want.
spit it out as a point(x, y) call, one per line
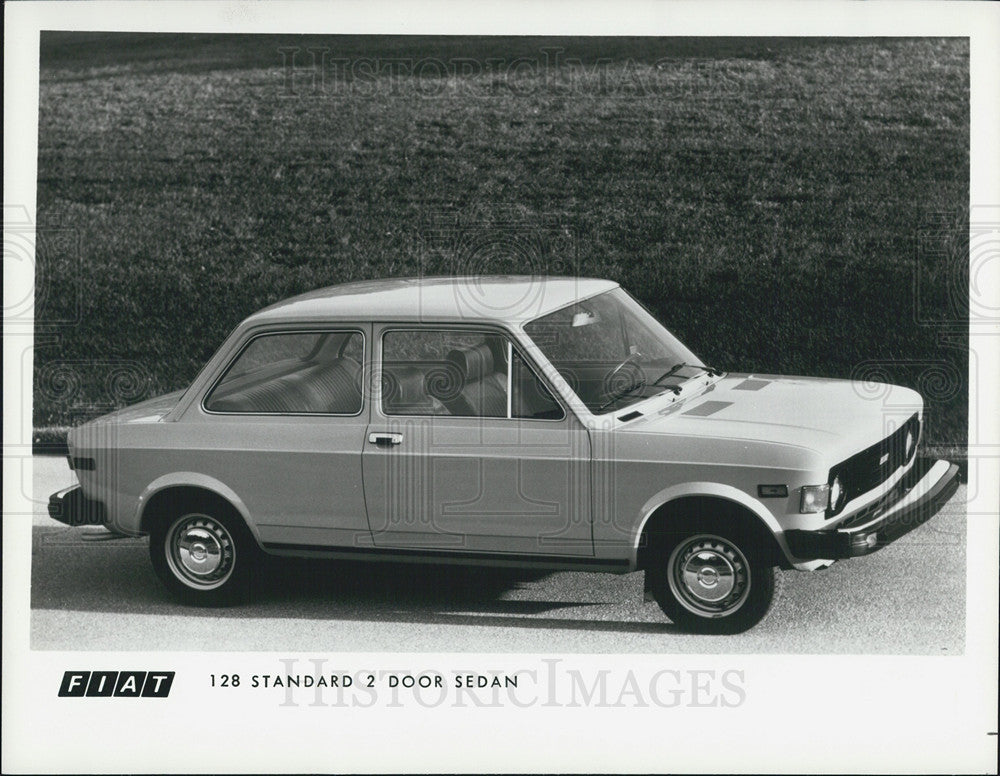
point(712, 490)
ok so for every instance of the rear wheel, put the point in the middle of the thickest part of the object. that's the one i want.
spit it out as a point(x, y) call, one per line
point(204, 555)
point(714, 579)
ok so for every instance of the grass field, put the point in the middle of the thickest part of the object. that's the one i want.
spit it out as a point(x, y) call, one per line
point(795, 206)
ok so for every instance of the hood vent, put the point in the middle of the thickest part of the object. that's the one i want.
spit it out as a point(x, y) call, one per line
point(708, 408)
point(630, 415)
point(751, 385)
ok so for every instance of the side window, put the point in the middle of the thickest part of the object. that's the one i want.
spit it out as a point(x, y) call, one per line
point(441, 372)
point(459, 373)
point(294, 373)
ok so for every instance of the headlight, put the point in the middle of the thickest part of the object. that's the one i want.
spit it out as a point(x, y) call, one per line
point(815, 498)
point(836, 491)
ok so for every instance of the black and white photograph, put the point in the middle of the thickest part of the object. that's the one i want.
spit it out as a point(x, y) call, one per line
point(480, 375)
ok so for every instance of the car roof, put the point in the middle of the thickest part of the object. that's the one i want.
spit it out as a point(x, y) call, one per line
point(495, 298)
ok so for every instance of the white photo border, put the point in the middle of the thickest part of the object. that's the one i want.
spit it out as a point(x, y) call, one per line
point(800, 712)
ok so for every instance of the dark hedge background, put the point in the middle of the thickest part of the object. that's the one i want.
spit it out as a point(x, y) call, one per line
point(783, 205)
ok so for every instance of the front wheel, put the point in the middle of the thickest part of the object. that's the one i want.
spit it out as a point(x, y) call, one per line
point(714, 581)
point(204, 556)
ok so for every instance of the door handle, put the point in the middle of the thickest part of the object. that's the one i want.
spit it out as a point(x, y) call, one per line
point(385, 439)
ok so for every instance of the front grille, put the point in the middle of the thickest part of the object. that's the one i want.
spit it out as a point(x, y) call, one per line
point(891, 497)
point(868, 469)
point(864, 515)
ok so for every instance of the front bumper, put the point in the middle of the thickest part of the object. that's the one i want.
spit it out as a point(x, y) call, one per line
point(71, 507)
point(913, 501)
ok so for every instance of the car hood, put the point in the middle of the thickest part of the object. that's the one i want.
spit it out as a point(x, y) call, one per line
point(834, 418)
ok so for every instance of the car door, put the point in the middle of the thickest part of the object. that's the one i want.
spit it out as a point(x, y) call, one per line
point(468, 450)
point(283, 427)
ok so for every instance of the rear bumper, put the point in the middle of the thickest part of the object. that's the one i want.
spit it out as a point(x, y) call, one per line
point(71, 507)
point(914, 501)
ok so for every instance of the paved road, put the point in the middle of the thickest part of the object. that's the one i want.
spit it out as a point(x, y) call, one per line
point(906, 599)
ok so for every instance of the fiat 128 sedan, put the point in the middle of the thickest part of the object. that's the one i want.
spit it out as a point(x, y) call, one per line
point(550, 423)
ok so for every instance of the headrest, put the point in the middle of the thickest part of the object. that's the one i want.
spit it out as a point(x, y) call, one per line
point(473, 363)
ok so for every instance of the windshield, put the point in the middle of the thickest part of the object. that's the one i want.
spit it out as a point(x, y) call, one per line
point(612, 352)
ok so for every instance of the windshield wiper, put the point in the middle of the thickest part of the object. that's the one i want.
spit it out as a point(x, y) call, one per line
point(712, 371)
point(675, 389)
point(622, 394)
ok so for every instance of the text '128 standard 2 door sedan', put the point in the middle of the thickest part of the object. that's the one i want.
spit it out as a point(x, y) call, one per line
point(541, 422)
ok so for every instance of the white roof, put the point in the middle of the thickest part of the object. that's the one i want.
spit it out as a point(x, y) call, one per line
point(509, 298)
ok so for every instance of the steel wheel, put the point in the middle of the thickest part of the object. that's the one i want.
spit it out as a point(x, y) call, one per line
point(203, 552)
point(709, 575)
point(712, 575)
point(200, 551)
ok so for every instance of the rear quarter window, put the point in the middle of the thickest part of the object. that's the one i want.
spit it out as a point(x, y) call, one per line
point(294, 373)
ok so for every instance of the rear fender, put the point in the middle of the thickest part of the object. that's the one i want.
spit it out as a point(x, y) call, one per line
point(194, 480)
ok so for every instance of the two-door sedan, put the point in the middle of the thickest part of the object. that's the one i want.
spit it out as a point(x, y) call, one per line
point(545, 422)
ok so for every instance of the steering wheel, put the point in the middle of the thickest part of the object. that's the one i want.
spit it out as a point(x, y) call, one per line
point(612, 377)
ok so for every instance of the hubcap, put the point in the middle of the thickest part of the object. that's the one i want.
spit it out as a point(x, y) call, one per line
point(709, 575)
point(200, 551)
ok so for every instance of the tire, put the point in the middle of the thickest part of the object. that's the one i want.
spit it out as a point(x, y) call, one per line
point(204, 554)
point(713, 578)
